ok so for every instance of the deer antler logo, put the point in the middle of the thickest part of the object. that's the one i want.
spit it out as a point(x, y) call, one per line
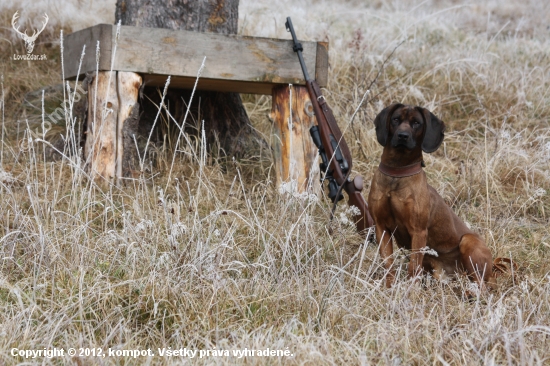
point(29, 40)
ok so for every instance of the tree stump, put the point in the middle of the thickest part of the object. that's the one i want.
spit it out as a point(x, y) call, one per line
point(294, 151)
point(128, 86)
point(100, 146)
point(112, 98)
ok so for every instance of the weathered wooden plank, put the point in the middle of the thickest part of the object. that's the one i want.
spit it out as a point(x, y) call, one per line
point(232, 62)
point(295, 153)
point(100, 145)
point(321, 64)
point(75, 42)
point(210, 84)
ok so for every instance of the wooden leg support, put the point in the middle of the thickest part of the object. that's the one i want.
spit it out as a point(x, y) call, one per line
point(113, 113)
point(128, 84)
point(112, 99)
point(294, 150)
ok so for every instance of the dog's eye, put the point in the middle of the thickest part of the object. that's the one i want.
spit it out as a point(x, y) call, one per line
point(416, 123)
point(396, 120)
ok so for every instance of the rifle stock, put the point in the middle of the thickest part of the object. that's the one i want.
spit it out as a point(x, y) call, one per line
point(334, 151)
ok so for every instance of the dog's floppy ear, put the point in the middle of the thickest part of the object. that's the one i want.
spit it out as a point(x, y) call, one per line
point(433, 137)
point(381, 123)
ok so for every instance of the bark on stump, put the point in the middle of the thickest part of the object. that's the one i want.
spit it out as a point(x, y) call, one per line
point(295, 153)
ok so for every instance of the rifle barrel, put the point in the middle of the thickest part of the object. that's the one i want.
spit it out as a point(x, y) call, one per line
point(297, 48)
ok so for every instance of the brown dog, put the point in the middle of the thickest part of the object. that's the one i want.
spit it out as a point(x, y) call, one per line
point(404, 206)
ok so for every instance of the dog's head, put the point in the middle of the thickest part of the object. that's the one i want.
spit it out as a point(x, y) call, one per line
point(404, 126)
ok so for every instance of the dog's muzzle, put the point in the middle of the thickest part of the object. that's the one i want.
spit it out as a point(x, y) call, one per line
point(403, 139)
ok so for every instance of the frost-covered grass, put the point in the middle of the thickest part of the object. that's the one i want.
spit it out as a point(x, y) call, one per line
point(219, 258)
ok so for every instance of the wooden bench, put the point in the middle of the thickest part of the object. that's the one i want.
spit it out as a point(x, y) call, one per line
point(233, 64)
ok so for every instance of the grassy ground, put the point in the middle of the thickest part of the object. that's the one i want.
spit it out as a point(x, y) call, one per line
point(219, 260)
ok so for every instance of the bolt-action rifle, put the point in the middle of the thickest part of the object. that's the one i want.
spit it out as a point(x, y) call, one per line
point(334, 152)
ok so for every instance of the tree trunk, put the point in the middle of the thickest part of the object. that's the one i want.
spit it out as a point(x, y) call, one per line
point(217, 16)
point(225, 118)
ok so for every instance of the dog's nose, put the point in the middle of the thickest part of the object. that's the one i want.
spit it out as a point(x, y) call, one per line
point(403, 135)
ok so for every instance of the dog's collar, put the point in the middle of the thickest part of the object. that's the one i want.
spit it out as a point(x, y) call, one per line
point(402, 171)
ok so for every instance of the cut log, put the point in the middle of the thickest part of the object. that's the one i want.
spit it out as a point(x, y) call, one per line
point(101, 135)
point(295, 153)
point(128, 84)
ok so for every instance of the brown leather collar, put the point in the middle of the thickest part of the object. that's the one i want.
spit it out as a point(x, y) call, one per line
point(402, 171)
